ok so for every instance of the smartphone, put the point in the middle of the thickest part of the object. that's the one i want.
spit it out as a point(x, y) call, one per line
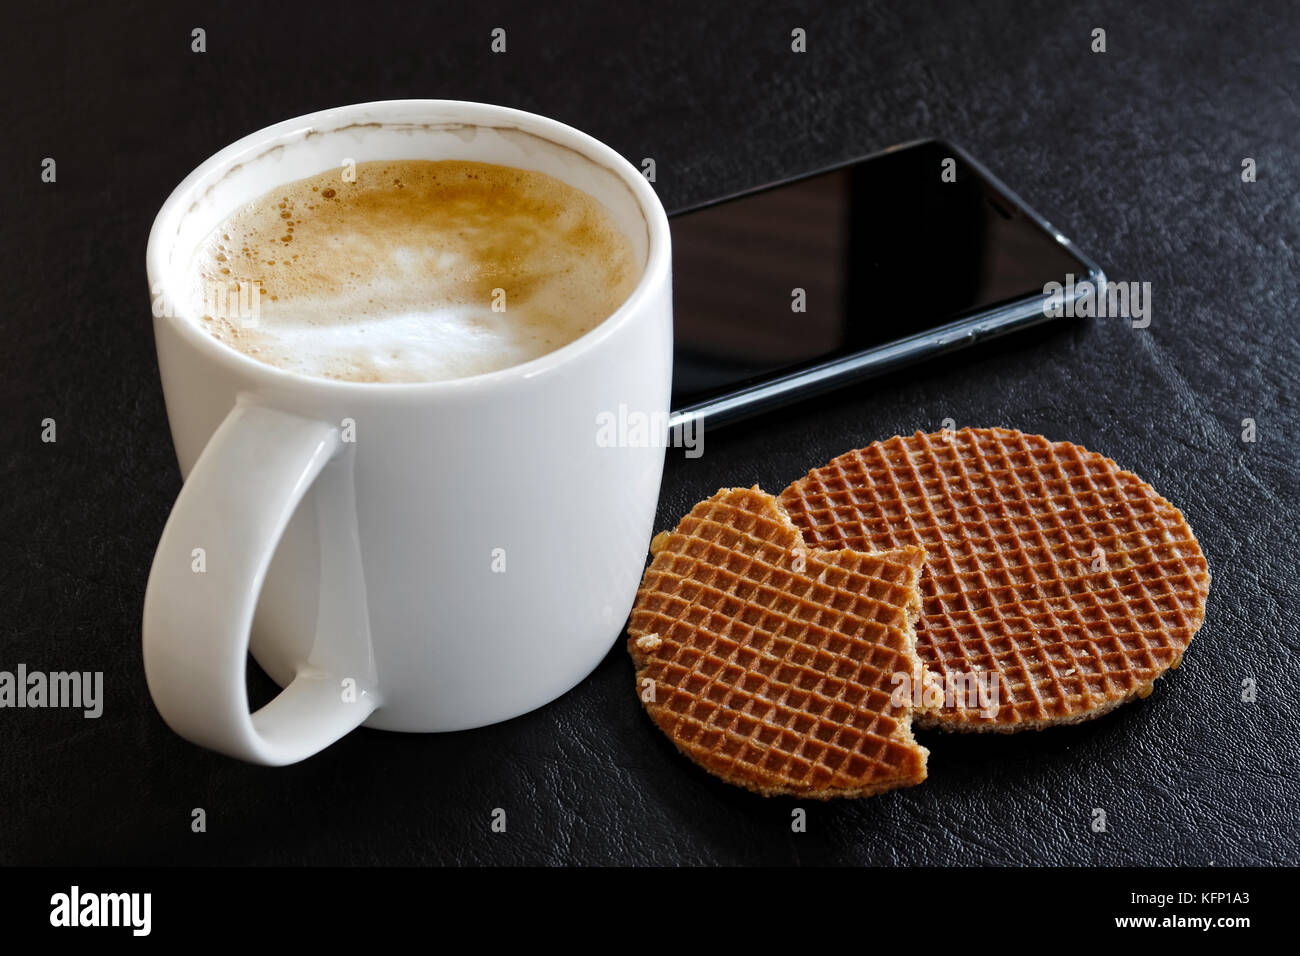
point(798, 287)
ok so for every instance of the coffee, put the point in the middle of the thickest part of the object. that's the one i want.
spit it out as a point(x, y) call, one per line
point(411, 271)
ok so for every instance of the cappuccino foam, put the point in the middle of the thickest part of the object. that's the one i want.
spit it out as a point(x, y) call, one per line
point(417, 271)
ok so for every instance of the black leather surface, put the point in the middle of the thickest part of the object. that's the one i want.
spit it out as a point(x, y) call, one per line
point(1135, 153)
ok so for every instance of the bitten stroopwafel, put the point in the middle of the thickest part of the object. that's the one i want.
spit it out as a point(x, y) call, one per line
point(1057, 586)
point(772, 665)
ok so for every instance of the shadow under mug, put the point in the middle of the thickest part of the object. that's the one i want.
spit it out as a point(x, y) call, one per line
point(412, 557)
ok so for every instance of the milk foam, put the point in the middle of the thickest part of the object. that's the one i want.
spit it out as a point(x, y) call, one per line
point(418, 271)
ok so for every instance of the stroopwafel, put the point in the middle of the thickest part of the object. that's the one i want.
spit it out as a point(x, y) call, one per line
point(1057, 585)
point(773, 666)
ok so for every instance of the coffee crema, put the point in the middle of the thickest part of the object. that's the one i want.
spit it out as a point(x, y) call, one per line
point(417, 271)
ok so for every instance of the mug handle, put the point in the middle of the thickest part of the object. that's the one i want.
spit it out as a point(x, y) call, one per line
point(198, 607)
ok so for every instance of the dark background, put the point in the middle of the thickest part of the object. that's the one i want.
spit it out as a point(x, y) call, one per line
point(1135, 153)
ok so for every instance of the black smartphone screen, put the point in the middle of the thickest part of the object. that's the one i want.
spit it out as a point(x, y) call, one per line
point(842, 262)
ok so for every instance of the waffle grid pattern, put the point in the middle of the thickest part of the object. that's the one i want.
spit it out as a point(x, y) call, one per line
point(771, 677)
point(1067, 580)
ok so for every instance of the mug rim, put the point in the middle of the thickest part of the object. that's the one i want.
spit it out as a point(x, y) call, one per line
point(653, 275)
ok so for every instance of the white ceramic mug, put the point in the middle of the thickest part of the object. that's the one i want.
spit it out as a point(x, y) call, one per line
point(414, 557)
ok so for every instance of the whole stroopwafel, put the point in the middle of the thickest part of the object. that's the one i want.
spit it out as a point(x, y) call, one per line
point(772, 665)
point(1064, 583)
